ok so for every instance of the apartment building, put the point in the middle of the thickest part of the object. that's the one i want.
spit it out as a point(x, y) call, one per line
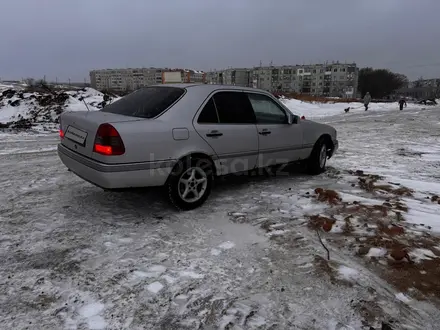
point(236, 76)
point(327, 79)
point(133, 78)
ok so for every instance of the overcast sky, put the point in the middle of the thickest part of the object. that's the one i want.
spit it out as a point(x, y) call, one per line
point(67, 38)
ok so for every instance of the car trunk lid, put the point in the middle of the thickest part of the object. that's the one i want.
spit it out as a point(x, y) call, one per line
point(79, 128)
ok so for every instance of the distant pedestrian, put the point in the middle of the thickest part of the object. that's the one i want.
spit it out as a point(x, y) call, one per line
point(402, 102)
point(367, 100)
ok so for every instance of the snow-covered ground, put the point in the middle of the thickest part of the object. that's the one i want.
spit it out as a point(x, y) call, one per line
point(321, 110)
point(76, 257)
point(40, 110)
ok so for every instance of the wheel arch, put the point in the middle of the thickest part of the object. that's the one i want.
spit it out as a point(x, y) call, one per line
point(327, 139)
point(199, 155)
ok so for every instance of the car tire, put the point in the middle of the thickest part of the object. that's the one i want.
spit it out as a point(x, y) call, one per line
point(185, 186)
point(318, 158)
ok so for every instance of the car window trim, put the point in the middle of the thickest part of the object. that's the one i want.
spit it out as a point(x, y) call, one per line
point(198, 113)
point(211, 95)
point(282, 108)
point(175, 102)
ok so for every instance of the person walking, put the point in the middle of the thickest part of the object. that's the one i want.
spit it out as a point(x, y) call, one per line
point(367, 100)
point(402, 102)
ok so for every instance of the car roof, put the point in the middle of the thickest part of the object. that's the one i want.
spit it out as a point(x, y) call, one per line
point(208, 88)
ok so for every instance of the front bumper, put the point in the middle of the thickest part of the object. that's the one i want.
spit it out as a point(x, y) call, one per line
point(115, 176)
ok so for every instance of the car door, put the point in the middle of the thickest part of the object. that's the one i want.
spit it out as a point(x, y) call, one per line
point(226, 122)
point(279, 141)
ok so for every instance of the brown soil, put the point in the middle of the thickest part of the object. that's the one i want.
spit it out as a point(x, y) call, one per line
point(387, 229)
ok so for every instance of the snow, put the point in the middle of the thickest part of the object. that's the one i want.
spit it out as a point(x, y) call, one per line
point(227, 245)
point(403, 298)
point(320, 110)
point(127, 260)
point(91, 314)
point(348, 273)
point(155, 287)
point(376, 252)
point(91, 310)
point(426, 213)
point(191, 274)
point(30, 108)
point(418, 255)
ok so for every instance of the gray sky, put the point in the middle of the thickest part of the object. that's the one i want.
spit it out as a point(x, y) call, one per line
point(67, 38)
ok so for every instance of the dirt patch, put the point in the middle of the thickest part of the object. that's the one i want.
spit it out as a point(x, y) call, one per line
point(380, 236)
point(318, 222)
point(369, 183)
point(328, 195)
point(423, 276)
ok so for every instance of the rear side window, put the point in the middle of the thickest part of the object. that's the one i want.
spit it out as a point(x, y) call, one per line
point(208, 114)
point(234, 108)
point(146, 102)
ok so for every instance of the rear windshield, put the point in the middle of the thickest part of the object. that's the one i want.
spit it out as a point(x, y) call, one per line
point(145, 102)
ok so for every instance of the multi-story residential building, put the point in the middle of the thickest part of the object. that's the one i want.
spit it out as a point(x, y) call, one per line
point(236, 76)
point(328, 79)
point(131, 79)
point(193, 76)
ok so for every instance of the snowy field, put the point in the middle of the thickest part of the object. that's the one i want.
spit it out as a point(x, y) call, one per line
point(76, 257)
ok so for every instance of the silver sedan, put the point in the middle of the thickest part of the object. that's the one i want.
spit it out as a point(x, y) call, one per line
point(182, 136)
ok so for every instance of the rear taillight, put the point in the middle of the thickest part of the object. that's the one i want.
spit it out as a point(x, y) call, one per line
point(61, 131)
point(108, 142)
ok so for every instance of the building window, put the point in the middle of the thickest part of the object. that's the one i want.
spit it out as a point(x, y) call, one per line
point(335, 70)
point(314, 71)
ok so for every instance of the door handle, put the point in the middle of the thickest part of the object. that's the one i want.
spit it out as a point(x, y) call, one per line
point(214, 134)
point(264, 132)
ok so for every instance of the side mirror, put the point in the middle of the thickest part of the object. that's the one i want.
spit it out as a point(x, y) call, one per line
point(292, 119)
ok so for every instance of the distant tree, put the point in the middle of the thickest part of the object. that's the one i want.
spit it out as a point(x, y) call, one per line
point(437, 89)
point(380, 82)
point(418, 83)
point(29, 81)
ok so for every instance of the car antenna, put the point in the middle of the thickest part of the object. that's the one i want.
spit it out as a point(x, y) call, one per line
point(83, 99)
point(86, 105)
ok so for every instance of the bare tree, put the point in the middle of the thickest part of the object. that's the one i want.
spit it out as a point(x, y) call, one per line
point(29, 81)
point(418, 82)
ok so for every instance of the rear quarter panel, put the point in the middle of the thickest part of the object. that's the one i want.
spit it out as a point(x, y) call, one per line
point(152, 140)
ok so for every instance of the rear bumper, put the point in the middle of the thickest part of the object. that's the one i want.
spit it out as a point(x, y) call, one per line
point(116, 176)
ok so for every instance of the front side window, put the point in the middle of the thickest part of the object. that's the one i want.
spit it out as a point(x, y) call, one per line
point(267, 111)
